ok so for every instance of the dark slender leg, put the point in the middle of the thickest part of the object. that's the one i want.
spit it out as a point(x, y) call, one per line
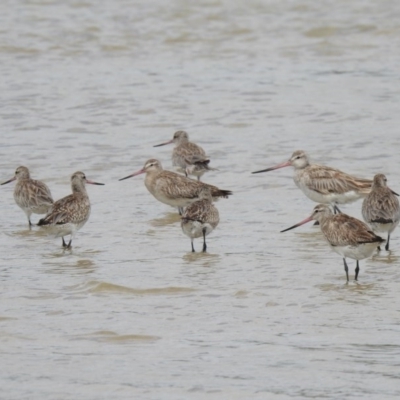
point(346, 268)
point(204, 240)
point(180, 210)
point(379, 248)
point(192, 247)
point(336, 209)
point(357, 271)
point(63, 243)
point(30, 224)
point(387, 243)
point(69, 244)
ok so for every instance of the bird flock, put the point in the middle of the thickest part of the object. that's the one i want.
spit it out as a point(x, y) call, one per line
point(193, 198)
point(330, 187)
point(346, 235)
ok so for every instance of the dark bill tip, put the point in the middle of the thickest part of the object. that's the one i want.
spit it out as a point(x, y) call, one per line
point(163, 144)
point(262, 170)
point(300, 223)
point(10, 180)
point(94, 183)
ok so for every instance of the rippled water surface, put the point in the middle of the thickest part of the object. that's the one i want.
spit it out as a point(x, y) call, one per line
point(131, 312)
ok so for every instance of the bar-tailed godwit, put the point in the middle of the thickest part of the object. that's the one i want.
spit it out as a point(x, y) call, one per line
point(200, 218)
point(188, 157)
point(173, 189)
point(324, 184)
point(32, 196)
point(381, 209)
point(70, 213)
point(346, 235)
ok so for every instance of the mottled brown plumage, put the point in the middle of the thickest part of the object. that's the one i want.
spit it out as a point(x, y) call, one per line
point(188, 157)
point(344, 230)
point(381, 209)
point(200, 218)
point(174, 189)
point(346, 235)
point(70, 213)
point(32, 196)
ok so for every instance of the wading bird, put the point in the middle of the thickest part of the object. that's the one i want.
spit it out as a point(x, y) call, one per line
point(32, 196)
point(188, 157)
point(200, 218)
point(346, 235)
point(381, 209)
point(174, 189)
point(324, 184)
point(70, 213)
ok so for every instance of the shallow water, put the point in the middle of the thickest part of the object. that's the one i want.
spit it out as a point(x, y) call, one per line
point(131, 312)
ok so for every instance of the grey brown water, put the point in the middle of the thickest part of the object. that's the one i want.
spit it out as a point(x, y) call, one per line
point(130, 312)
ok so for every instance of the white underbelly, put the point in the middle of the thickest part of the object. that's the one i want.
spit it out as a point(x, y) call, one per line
point(356, 252)
point(376, 227)
point(63, 230)
point(174, 202)
point(194, 229)
point(330, 198)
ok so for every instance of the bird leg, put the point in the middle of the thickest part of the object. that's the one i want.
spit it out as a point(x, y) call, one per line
point(65, 245)
point(346, 268)
point(204, 240)
point(193, 251)
point(180, 210)
point(387, 243)
point(336, 209)
point(357, 271)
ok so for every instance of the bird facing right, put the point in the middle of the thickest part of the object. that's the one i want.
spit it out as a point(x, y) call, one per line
point(381, 209)
point(70, 213)
point(200, 218)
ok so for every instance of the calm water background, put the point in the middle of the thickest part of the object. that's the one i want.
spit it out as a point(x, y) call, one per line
point(130, 312)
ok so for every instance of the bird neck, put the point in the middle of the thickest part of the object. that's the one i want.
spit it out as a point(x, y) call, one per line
point(78, 187)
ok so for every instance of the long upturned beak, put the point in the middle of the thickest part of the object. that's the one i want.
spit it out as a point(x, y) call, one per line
point(282, 165)
point(163, 144)
point(300, 223)
point(10, 180)
point(141, 171)
point(94, 183)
